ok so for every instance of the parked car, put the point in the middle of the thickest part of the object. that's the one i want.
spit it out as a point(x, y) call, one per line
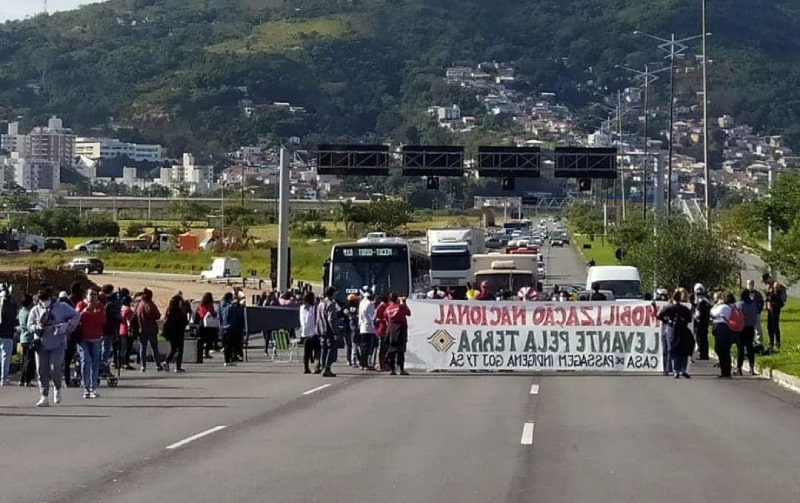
point(93, 245)
point(86, 264)
point(57, 244)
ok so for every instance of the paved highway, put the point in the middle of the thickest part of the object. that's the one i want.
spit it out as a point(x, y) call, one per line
point(264, 432)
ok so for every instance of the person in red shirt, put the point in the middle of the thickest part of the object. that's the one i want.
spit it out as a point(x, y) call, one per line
point(207, 319)
point(484, 294)
point(147, 315)
point(397, 313)
point(126, 315)
point(93, 321)
point(380, 331)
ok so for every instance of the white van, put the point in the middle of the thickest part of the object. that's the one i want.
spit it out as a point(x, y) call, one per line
point(623, 281)
point(223, 267)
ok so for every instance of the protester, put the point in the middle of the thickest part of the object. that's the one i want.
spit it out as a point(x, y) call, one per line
point(435, 293)
point(662, 295)
point(232, 327)
point(51, 323)
point(8, 329)
point(472, 293)
point(308, 333)
point(147, 314)
point(597, 295)
point(701, 308)
point(776, 299)
point(28, 358)
point(366, 330)
point(208, 322)
point(125, 333)
point(758, 299)
point(680, 341)
point(175, 322)
point(76, 295)
point(723, 336)
point(92, 323)
point(327, 328)
point(380, 331)
point(350, 315)
point(484, 293)
point(746, 338)
point(397, 314)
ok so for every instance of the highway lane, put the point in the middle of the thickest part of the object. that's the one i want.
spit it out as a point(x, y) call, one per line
point(418, 439)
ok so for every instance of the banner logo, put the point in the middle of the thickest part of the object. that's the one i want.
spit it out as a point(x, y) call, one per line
point(441, 340)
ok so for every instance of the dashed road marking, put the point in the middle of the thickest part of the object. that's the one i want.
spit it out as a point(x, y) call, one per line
point(318, 388)
point(196, 437)
point(534, 389)
point(527, 434)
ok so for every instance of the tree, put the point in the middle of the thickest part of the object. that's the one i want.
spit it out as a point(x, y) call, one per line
point(17, 202)
point(585, 219)
point(681, 254)
point(785, 255)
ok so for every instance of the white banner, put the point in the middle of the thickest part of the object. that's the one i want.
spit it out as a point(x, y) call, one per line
point(531, 336)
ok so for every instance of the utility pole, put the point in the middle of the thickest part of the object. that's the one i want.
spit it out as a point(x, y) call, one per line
point(621, 145)
point(706, 166)
point(283, 222)
point(673, 47)
point(647, 77)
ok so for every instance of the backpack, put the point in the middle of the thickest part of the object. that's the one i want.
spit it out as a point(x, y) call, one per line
point(210, 321)
point(736, 321)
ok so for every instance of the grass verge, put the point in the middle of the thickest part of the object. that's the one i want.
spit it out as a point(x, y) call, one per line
point(602, 251)
point(788, 360)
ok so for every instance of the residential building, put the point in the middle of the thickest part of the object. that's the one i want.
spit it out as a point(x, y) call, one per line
point(35, 175)
point(196, 179)
point(109, 148)
point(53, 143)
point(13, 142)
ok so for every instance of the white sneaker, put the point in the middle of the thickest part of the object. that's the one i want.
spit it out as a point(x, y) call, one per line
point(93, 394)
point(57, 396)
point(43, 402)
point(85, 394)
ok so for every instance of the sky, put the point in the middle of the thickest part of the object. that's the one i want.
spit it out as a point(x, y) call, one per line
point(18, 9)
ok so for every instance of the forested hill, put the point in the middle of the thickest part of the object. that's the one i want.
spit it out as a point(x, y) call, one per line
point(178, 70)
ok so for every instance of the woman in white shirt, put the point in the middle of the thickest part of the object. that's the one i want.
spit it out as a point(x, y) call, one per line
point(723, 336)
point(308, 333)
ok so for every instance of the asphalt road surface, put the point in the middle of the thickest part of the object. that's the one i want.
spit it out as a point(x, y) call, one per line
point(264, 432)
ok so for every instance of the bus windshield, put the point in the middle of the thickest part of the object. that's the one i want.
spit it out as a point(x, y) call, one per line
point(381, 269)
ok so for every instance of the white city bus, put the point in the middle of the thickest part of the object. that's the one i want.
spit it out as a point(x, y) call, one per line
point(382, 264)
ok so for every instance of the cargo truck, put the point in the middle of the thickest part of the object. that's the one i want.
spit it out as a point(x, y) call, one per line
point(451, 252)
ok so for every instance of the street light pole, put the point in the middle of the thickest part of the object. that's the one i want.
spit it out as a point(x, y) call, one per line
point(706, 166)
point(673, 47)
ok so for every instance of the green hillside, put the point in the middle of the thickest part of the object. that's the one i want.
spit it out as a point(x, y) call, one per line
point(176, 71)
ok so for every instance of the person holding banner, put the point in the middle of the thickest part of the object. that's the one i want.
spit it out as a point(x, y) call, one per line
point(380, 331)
point(397, 313)
point(681, 342)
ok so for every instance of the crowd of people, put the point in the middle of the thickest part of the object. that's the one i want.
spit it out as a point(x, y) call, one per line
point(100, 328)
point(733, 320)
point(373, 332)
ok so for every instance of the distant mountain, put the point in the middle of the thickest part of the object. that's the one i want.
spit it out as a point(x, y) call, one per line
point(205, 74)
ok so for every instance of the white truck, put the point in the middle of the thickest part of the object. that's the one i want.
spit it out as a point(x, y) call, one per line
point(221, 268)
point(509, 272)
point(450, 252)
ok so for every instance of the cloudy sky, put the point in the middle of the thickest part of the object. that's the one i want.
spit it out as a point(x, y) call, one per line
point(18, 9)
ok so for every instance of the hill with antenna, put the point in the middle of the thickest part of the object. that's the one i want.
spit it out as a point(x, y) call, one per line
point(205, 75)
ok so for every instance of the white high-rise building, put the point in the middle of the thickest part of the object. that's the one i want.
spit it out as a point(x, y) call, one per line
point(109, 148)
point(196, 179)
point(34, 174)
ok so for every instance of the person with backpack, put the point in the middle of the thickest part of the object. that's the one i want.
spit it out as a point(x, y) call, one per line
point(327, 322)
point(207, 319)
point(147, 314)
point(725, 316)
point(397, 313)
point(776, 299)
point(701, 307)
point(747, 336)
point(677, 317)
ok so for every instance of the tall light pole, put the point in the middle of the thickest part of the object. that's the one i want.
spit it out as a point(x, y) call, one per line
point(673, 47)
point(647, 77)
point(706, 166)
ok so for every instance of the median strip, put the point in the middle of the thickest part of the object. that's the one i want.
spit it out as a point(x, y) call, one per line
point(527, 434)
point(195, 437)
point(318, 388)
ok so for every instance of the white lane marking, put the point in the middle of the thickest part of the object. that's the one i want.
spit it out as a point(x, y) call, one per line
point(195, 437)
point(527, 434)
point(318, 388)
point(534, 389)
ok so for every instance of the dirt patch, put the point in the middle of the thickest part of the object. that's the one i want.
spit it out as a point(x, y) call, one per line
point(31, 280)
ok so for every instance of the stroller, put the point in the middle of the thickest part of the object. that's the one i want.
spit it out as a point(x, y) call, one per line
point(105, 373)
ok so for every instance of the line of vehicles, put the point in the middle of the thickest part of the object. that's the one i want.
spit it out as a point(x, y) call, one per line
point(452, 259)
